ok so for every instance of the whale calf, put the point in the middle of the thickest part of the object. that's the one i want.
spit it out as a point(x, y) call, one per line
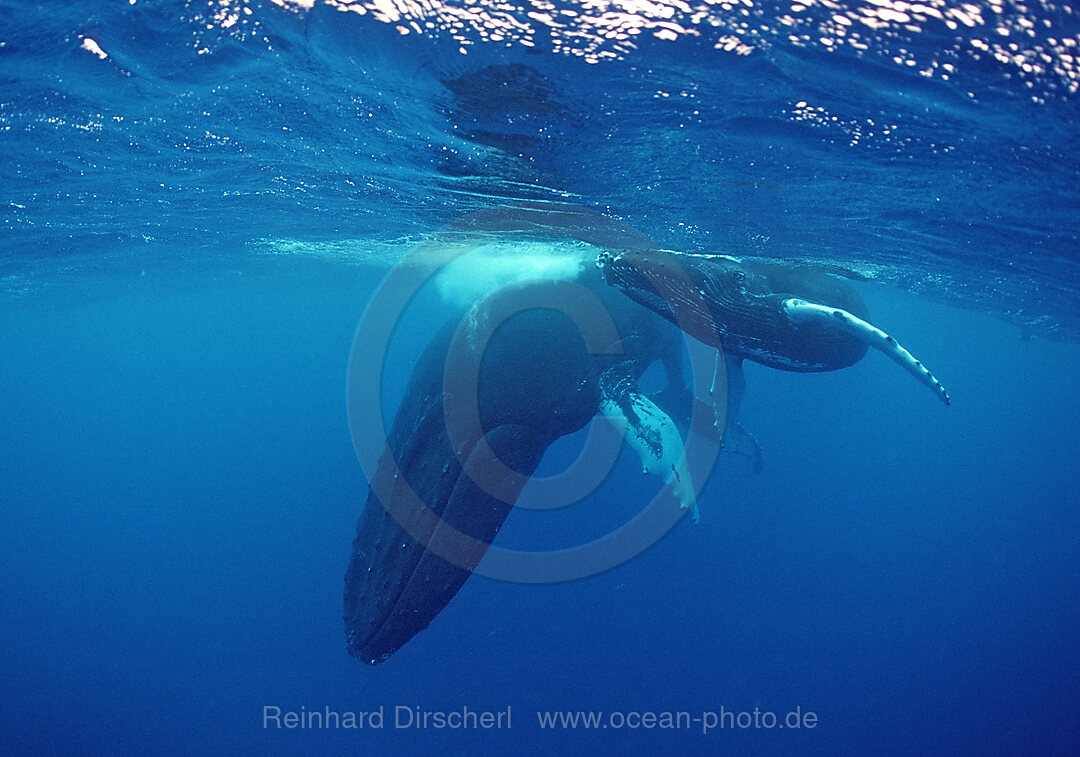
point(791, 316)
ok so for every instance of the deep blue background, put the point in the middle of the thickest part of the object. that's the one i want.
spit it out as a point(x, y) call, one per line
point(180, 494)
point(178, 491)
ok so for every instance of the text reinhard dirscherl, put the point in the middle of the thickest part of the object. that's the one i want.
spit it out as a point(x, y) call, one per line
point(404, 717)
point(400, 716)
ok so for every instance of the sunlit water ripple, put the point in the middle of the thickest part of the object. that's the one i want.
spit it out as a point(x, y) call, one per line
point(931, 145)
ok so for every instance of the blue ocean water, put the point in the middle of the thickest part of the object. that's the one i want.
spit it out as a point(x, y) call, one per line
point(198, 200)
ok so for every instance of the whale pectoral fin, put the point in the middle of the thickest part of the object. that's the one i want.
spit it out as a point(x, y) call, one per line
point(802, 311)
point(720, 390)
point(735, 438)
point(730, 394)
point(651, 433)
point(739, 441)
point(725, 400)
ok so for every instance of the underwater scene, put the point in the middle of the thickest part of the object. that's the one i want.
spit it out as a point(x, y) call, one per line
point(406, 377)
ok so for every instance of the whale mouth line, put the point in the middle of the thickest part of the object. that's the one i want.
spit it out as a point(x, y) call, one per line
point(635, 279)
point(670, 284)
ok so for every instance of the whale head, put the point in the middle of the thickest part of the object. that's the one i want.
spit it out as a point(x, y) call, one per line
point(724, 302)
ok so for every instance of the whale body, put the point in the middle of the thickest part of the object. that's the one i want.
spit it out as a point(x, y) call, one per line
point(504, 379)
point(537, 381)
point(790, 316)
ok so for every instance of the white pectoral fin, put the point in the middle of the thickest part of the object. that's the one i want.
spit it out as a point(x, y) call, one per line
point(802, 311)
point(655, 438)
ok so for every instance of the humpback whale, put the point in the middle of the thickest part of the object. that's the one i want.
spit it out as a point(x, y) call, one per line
point(444, 486)
point(503, 380)
point(791, 316)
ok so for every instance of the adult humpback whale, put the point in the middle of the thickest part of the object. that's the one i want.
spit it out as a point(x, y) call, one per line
point(444, 486)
